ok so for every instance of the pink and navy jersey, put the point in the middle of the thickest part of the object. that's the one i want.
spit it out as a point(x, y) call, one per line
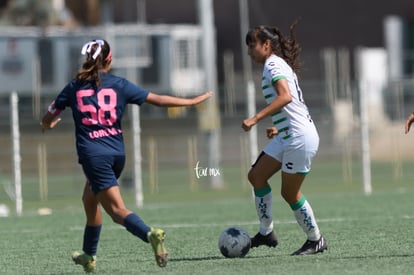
point(97, 113)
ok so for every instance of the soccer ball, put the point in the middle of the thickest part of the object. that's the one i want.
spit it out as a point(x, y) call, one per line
point(234, 242)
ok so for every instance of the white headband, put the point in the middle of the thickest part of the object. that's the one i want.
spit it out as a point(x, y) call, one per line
point(88, 47)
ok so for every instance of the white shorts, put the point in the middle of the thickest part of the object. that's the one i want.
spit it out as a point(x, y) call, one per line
point(295, 153)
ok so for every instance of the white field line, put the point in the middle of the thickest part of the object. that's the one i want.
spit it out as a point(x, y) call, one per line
point(224, 224)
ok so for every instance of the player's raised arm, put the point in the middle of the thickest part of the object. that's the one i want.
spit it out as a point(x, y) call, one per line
point(172, 101)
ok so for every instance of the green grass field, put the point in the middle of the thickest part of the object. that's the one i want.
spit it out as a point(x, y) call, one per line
point(366, 234)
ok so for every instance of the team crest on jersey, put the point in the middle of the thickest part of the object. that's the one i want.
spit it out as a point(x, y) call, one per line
point(275, 71)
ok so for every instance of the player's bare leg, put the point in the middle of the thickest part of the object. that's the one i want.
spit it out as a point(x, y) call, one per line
point(290, 188)
point(87, 259)
point(91, 207)
point(263, 170)
point(114, 205)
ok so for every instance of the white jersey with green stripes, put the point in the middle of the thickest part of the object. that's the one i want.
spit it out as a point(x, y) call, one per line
point(293, 119)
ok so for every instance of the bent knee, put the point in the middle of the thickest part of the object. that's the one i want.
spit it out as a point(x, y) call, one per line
point(290, 197)
point(286, 196)
point(252, 177)
point(118, 214)
point(256, 180)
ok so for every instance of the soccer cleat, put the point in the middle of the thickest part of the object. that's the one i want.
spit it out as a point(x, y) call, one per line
point(312, 247)
point(156, 237)
point(88, 262)
point(269, 240)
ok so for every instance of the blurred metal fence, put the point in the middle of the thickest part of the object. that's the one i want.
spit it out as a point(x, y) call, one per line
point(49, 162)
point(172, 140)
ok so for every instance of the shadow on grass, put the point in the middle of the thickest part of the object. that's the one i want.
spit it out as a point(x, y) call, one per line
point(214, 258)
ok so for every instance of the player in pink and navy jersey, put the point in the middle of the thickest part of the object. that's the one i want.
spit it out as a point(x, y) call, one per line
point(98, 100)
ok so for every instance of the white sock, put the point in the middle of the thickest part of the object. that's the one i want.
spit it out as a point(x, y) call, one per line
point(306, 219)
point(264, 212)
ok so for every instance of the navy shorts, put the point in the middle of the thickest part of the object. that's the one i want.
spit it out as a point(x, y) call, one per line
point(102, 172)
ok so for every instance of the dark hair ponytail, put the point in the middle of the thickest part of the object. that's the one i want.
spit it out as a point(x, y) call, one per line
point(98, 56)
point(285, 47)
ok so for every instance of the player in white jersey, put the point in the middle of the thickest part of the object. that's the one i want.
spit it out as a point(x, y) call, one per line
point(293, 137)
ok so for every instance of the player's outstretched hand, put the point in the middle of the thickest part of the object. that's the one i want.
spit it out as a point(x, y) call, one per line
point(409, 121)
point(202, 97)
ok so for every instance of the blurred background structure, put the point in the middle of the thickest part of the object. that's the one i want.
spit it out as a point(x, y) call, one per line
point(358, 82)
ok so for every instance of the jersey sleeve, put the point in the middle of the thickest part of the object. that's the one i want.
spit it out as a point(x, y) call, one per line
point(135, 94)
point(275, 71)
point(61, 101)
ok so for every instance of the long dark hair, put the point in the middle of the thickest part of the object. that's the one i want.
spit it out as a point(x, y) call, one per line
point(285, 47)
point(98, 56)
